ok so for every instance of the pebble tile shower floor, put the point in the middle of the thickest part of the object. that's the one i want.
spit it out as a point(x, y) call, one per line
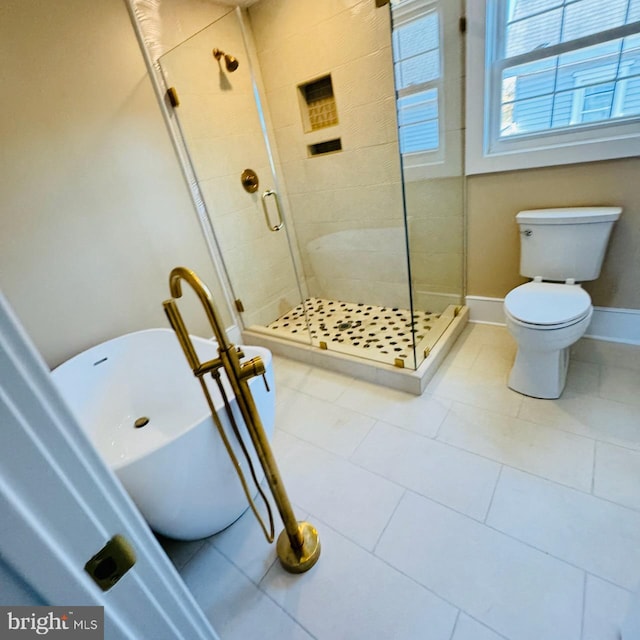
point(377, 333)
point(468, 513)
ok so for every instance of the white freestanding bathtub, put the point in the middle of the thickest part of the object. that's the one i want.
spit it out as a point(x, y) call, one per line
point(175, 467)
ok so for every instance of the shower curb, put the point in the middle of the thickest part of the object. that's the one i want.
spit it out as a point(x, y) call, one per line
point(389, 376)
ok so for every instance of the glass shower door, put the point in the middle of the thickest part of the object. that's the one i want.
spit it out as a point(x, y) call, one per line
point(222, 127)
point(369, 261)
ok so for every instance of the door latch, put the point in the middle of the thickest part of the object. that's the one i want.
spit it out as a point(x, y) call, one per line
point(111, 562)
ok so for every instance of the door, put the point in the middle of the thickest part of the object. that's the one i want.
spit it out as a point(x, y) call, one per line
point(631, 624)
point(60, 505)
point(218, 111)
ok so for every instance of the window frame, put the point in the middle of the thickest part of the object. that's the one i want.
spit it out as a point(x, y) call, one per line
point(446, 160)
point(486, 153)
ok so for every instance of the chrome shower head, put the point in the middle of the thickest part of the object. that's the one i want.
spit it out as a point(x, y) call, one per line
point(230, 62)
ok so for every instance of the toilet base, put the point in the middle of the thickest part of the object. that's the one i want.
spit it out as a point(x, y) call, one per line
point(539, 374)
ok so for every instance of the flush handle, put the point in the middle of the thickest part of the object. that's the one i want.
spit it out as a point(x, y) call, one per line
point(526, 232)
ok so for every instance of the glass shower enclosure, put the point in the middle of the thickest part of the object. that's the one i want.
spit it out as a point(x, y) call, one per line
point(332, 232)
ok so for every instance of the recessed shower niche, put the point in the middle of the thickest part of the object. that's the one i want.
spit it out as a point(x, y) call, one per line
point(353, 271)
point(324, 147)
point(318, 104)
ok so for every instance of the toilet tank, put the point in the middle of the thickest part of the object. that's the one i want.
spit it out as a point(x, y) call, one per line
point(558, 244)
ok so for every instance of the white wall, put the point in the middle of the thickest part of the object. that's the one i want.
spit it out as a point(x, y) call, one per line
point(94, 211)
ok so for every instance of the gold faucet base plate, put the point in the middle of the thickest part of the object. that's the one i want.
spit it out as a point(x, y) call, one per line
point(300, 560)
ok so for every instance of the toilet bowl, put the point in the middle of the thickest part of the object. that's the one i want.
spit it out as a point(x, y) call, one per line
point(545, 319)
point(558, 248)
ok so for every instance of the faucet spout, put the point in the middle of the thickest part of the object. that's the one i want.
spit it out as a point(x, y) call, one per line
point(202, 291)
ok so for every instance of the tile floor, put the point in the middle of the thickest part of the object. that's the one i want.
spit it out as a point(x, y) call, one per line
point(469, 513)
point(366, 331)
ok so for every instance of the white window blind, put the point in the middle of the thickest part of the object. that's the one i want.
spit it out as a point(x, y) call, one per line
point(418, 74)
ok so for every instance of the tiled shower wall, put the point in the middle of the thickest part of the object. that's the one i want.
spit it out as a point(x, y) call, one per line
point(347, 205)
point(435, 219)
point(435, 193)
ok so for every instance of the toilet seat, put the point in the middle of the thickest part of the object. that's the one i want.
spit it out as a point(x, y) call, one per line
point(547, 305)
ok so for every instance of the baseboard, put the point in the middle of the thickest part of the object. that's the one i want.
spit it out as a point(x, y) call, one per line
point(485, 310)
point(608, 323)
point(615, 325)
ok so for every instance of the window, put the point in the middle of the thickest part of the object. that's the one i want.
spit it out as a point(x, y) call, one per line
point(427, 142)
point(561, 82)
point(416, 49)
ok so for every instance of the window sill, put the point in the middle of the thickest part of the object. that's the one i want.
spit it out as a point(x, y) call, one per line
point(558, 154)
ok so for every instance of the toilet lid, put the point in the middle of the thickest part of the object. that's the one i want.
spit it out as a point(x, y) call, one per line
point(547, 303)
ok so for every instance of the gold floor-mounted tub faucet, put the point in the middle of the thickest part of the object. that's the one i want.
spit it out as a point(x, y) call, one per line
point(298, 545)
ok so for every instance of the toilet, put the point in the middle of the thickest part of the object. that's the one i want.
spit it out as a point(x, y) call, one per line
point(559, 248)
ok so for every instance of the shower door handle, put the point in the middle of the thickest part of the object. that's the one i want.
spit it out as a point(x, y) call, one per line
point(280, 224)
